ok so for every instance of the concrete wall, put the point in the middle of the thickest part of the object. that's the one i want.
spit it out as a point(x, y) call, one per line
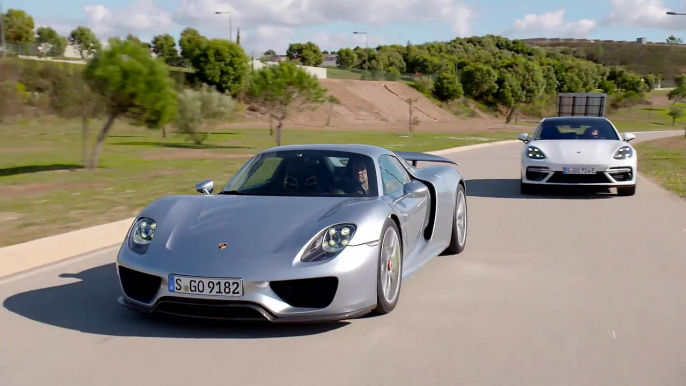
point(319, 72)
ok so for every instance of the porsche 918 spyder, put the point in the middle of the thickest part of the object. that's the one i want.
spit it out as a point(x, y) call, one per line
point(300, 233)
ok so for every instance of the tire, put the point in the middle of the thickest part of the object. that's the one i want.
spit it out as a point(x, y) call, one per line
point(389, 233)
point(456, 245)
point(626, 191)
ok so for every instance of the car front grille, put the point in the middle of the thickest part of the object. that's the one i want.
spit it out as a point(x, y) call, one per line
point(211, 309)
point(139, 286)
point(307, 293)
point(561, 178)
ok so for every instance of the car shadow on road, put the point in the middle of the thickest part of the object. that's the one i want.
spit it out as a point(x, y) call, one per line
point(510, 188)
point(90, 305)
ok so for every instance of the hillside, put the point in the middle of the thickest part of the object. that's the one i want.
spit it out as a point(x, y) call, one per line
point(379, 105)
point(664, 59)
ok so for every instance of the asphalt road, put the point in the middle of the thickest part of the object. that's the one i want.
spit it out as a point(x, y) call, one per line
point(556, 290)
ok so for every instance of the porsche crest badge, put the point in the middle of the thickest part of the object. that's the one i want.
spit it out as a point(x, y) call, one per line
point(222, 245)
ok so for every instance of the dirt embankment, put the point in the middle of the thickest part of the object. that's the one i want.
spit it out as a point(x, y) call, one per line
point(366, 102)
point(378, 105)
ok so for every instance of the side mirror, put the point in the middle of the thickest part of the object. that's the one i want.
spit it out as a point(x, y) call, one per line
point(415, 189)
point(206, 187)
point(524, 137)
point(628, 137)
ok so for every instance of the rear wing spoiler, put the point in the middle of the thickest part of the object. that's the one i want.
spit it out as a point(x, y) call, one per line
point(413, 158)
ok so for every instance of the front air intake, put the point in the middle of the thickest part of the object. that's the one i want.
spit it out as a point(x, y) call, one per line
point(306, 293)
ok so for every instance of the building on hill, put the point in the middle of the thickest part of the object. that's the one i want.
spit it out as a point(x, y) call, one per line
point(330, 60)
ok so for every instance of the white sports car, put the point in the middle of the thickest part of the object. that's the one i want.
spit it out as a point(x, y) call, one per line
point(578, 151)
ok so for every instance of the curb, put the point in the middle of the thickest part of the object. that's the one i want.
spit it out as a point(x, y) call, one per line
point(23, 257)
point(472, 147)
point(32, 254)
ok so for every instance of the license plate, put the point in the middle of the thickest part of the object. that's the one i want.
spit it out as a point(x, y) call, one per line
point(206, 286)
point(578, 170)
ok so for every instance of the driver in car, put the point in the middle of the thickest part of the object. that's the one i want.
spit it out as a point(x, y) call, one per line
point(358, 180)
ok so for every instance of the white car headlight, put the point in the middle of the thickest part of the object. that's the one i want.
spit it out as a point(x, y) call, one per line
point(142, 234)
point(624, 152)
point(328, 243)
point(535, 153)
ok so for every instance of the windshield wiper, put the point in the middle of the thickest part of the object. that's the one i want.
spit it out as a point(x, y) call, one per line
point(232, 192)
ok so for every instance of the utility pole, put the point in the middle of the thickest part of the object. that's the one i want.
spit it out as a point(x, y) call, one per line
point(366, 47)
point(2, 31)
point(230, 27)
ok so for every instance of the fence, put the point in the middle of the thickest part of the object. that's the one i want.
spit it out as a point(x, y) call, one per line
point(43, 50)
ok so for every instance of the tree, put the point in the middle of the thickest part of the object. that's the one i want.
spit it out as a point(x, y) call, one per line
point(479, 80)
point(347, 58)
point(19, 26)
point(674, 40)
point(308, 53)
point(133, 85)
point(190, 42)
point(412, 120)
point(202, 109)
point(222, 64)
point(281, 89)
point(269, 53)
point(675, 112)
point(238, 36)
point(332, 100)
point(134, 39)
point(678, 93)
point(447, 87)
point(57, 43)
point(164, 47)
point(84, 41)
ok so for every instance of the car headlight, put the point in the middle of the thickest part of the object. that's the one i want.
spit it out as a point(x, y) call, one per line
point(624, 152)
point(535, 153)
point(142, 234)
point(329, 243)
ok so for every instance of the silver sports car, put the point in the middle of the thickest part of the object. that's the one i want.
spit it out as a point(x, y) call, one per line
point(300, 233)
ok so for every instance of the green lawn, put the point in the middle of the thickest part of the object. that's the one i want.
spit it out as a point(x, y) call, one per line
point(640, 118)
point(44, 191)
point(664, 161)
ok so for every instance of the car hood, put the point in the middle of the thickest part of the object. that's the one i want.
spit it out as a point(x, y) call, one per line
point(256, 229)
point(580, 151)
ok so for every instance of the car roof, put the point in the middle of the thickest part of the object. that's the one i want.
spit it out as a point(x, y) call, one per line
point(368, 150)
point(575, 118)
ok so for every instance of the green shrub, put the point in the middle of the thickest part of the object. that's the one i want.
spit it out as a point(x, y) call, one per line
point(447, 87)
point(201, 109)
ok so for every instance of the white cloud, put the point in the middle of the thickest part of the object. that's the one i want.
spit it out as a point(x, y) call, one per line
point(552, 24)
point(140, 17)
point(335, 42)
point(264, 38)
point(645, 14)
point(62, 26)
point(251, 14)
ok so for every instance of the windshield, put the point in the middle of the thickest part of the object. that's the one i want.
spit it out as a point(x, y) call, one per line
point(558, 129)
point(306, 173)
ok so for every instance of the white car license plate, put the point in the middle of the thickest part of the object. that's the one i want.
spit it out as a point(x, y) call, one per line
point(206, 286)
point(578, 170)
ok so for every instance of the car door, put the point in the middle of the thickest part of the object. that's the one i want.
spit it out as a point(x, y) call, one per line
point(412, 210)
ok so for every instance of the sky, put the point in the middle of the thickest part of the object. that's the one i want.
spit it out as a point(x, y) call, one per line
point(273, 24)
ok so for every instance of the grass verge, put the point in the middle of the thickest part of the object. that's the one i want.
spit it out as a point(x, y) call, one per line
point(45, 191)
point(664, 161)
